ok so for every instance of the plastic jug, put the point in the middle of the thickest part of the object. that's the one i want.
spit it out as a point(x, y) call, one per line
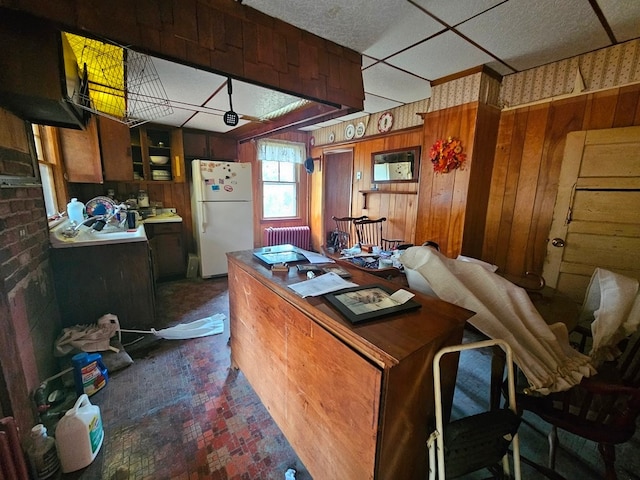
point(75, 211)
point(79, 435)
point(42, 454)
point(89, 373)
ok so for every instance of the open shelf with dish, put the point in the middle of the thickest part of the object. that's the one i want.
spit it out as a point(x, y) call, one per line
point(157, 154)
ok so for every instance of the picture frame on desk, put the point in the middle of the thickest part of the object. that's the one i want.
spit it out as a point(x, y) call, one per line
point(367, 302)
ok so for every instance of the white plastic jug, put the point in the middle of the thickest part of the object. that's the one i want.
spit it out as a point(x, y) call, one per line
point(75, 211)
point(79, 435)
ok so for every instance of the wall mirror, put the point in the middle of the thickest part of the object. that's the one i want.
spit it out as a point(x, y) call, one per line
point(401, 165)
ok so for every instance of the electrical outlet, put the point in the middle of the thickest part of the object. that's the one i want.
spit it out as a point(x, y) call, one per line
point(358, 175)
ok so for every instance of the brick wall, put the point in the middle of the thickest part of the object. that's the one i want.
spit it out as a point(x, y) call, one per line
point(29, 318)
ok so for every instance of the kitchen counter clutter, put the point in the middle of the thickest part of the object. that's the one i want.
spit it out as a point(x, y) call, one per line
point(87, 236)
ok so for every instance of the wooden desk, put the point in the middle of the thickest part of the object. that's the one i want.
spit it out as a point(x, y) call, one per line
point(355, 402)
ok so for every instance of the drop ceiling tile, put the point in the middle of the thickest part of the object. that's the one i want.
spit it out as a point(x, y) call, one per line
point(367, 61)
point(622, 16)
point(212, 123)
point(374, 104)
point(440, 56)
point(386, 81)
point(251, 100)
point(355, 24)
point(177, 118)
point(190, 85)
point(550, 31)
point(455, 11)
point(413, 26)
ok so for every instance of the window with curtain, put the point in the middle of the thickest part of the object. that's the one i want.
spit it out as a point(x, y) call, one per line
point(280, 164)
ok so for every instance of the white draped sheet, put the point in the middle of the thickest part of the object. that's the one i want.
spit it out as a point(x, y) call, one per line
point(503, 311)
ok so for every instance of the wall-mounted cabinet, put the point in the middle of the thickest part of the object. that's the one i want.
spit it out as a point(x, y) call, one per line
point(209, 146)
point(157, 154)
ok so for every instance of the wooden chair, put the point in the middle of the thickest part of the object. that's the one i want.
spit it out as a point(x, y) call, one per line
point(343, 232)
point(602, 408)
point(369, 232)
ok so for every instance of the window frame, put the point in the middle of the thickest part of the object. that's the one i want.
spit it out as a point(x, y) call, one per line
point(295, 183)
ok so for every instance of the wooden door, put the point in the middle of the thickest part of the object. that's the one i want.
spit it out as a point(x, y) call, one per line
point(338, 168)
point(596, 219)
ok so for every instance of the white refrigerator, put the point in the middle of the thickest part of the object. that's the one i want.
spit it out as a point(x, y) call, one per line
point(222, 210)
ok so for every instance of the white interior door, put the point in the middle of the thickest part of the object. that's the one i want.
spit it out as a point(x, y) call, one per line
point(596, 219)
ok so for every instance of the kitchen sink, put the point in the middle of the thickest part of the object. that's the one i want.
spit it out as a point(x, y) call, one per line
point(87, 236)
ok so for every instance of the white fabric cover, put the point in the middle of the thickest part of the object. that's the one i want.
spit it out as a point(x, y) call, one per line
point(612, 301)
point(503, 311)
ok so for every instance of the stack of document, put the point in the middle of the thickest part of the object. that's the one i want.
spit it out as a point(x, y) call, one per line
point(329, 282)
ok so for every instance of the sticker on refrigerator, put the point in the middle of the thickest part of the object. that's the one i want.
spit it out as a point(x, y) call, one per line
point(228, 188)
point(215, 187)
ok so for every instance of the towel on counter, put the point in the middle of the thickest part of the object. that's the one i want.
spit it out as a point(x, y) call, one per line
point(504, 311)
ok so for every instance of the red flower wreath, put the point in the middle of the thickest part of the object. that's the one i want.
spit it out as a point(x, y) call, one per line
point(446, 155)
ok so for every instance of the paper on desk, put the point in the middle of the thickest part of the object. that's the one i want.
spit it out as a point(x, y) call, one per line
point(402, 296)
point(316, 257)
point(329, 282)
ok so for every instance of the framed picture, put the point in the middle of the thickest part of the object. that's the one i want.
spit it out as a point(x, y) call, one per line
point(367, 302)
point(308, 267)
point(337, 270)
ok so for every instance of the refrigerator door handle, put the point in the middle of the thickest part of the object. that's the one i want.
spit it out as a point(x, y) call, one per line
point(203, 221)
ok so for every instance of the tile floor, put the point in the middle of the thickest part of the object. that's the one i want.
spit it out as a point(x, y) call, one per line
point(180, 412)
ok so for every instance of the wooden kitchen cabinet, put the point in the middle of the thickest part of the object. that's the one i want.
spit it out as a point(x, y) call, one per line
point(115, 145)
point(167, 245)
point(81, 153)
point(209, 146)
point(150, 140)
point(102, 151)
point(91, 281)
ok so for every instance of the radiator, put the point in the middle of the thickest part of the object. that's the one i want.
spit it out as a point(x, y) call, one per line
point(12, 462)
point(298, 236)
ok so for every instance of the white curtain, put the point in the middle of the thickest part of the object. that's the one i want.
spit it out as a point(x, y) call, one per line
point(503, 310)
point(281, 151)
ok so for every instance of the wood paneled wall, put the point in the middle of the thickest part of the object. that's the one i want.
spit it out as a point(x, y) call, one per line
point(452, 206)
point(526, 167)
point(399, 209)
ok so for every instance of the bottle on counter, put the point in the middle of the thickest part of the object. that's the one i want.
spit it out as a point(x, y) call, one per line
point(143, 199)
point(42, 453)
point(75, 211)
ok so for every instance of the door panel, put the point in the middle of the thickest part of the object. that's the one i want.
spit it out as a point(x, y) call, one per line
point(338, 168)
point(596, 219)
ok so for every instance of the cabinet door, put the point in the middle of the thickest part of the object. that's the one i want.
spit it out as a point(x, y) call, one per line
point(223, 148)
point(115, 144)
point(81, 153)
point(169, 255)
point(195, 145)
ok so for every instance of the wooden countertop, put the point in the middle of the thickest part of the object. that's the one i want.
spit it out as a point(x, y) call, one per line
point(386, 341)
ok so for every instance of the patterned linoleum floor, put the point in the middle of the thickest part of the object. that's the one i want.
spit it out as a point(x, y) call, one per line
point(181, 412)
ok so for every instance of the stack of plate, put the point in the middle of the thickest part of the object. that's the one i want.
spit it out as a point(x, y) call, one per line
point(161, 175)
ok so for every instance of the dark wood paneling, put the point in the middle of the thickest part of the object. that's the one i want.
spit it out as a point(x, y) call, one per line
point(189, 32)
point(529, 152)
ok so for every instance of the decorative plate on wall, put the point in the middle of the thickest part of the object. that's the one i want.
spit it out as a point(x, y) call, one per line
point(332, 137)
point(312, 141)
point(385, 122)
point(350, 131)
point(360, 129)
